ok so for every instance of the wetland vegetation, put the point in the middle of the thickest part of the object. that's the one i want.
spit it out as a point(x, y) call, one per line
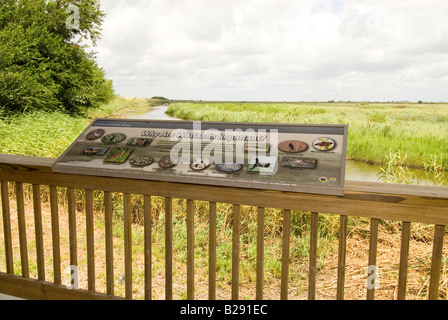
point(419, 131)
point(398, 136)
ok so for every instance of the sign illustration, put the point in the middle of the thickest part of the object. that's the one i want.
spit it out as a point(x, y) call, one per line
point(286, 157)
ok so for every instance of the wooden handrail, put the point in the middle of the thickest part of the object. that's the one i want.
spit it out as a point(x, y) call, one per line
point(407, 203)
point(412, 203)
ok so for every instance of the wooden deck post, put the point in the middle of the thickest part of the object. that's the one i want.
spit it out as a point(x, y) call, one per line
point(236, 252)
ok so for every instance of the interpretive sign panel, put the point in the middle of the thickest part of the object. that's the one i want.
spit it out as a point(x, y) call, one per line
point(288, 157)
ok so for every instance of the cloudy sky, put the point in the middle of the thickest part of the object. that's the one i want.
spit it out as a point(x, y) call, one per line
point(277, 50)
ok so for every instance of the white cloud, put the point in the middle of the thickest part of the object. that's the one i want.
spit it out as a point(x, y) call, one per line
point(277, 49)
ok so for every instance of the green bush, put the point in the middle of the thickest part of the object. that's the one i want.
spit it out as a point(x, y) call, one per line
point(41, 65)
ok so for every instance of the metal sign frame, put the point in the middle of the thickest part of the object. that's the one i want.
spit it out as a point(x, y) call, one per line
point(308, 158)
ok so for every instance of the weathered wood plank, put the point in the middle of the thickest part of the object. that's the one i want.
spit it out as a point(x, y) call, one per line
point(22, 230)
point(260, 254)
point(410, 203)
point(168, 248)
point(341, 257)
point(54, 208)
point(404, 259)
point(38, 232)
point(32, 289)
point(313, 256)
point(285, 254)
point(148, 246)
point(373, 245)
point(7, 228)
point(72, 227)
point(127, 245)
point(212, 252)
point(90, 239)
point(25, 163)
point(109, 243)
point(431, 209)
point(190, 249)
point(397, 189)
point(236, 251)
point(436, 262)
point(36, 164)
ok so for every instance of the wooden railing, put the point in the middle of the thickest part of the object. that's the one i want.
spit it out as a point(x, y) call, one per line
point(376, 201)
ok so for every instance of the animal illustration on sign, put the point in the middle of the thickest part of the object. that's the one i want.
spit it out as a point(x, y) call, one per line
point(292, 146)
point(113, 138)
point(324, 144)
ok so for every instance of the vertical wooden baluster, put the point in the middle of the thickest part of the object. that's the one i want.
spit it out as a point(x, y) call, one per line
point(285, 254)
point(148, 245)
point(127, 246)
point(236, 251)
point(436, 262)
point(168, 249)
point(190, 249)
point(260, 254)
point(212, 252)
point(404, 258)
point(341, 257)
point(55, 234)
point(22, 230)
point(109, 243)
point(7, 228)
point(373, 244)
point(313, 256)
point(72, 227)
point(39, 233)
point(90, 241)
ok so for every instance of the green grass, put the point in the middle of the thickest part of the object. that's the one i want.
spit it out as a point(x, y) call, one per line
point(39, 134)
point(392, 134)
point(418, 130)
point(49, 134)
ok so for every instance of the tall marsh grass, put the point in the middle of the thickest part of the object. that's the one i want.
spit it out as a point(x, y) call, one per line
point(418, 130)
point(395, 172)
point(39, 133)
point(397, 136)
point(49, 134)
point(435, 171)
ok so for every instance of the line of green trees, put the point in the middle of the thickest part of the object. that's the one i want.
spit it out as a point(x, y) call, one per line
point(43, 65)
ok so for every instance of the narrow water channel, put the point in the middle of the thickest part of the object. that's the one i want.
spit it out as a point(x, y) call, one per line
point(355, 170)
point(158, 113)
